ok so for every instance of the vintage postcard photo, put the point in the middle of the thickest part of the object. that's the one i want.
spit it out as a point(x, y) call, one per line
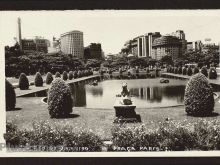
point(110, 81)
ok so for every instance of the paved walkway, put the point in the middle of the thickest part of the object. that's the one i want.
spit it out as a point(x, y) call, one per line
point(215, 82)
point(33, 89)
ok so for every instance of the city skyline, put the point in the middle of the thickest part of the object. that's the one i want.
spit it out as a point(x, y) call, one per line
point(111, 28)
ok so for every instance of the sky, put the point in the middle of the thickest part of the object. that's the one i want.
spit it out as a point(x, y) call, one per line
point(111, 28)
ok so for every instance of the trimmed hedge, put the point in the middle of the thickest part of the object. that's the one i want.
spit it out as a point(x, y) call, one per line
point(10, 96)
point(49, 78)
point(57, 75)
point(189, 71)
point(204, 71)
point(184, 71)
point(212, 73)
point(70, 75)
point(199, 99)
point(23, 82)
point(38, 81)
point(65, 76)
point(52, 138)
point(60, 100)
point(196, 70)
point(167, 136)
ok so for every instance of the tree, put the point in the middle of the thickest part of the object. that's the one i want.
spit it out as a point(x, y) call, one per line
point(167, 60)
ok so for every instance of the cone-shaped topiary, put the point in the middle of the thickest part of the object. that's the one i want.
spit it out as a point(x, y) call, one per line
point(189, 71)
point(65, 76)
point(23, 82)
point(38, 81)
point(212, 73)
point(83, 73)
point(175, 70)
point(79, 73)
point(49, 78)
point(60, 100)
point(10, 96)
point(204, 71)
point(196, 70)
point(199, 99)
point(71, 75)
point(86, 73)
point(180, 70)
point(172, 70)
point(57, 75)
point(184, 71)
point(75, 74)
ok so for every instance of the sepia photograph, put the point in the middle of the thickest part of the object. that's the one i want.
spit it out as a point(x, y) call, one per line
point(111, 81)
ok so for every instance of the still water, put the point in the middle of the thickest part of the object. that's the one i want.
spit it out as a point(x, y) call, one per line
point(146, 93)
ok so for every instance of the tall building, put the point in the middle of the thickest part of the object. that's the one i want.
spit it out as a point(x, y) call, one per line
point(72, 43)
point(151, 38)
point(28, 45)
point(181, 36)
point(38, 44)
point(41, 44)
point(93, 51)
point(141, 46)
point(166, 45)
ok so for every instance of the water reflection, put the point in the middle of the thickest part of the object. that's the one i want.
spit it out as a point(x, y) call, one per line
point(157, 93)
point(79, 94)
point(146, 93)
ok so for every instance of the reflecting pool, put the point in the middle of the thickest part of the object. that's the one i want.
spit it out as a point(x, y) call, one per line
point(146, 93)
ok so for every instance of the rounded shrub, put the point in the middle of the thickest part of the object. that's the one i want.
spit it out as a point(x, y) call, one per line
point(212, 73)
point(57, 74)
point(71, 75)
point(204, 71)
point(10, 96)
point(196, 70)
point(180, 71)
point(23, 82)
point(189, 71)
point(60, 100)
point(49, 78)
point(198, 99)
point(38, 81)
point(184, 71)
point(65, 76)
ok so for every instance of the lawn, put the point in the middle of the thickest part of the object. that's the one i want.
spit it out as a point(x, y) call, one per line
point(30, 109)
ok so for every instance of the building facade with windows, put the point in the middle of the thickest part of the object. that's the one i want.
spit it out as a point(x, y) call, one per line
point(182, 39)
point(141, 46)
point(166, 45)
point(72, 43)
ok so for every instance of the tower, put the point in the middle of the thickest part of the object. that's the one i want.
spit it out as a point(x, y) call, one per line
point(19, 33)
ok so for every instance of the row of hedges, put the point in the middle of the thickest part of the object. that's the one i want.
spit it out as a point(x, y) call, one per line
point(168, 135)
point(52, 138)
point(189, 71)
point(38, 81)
